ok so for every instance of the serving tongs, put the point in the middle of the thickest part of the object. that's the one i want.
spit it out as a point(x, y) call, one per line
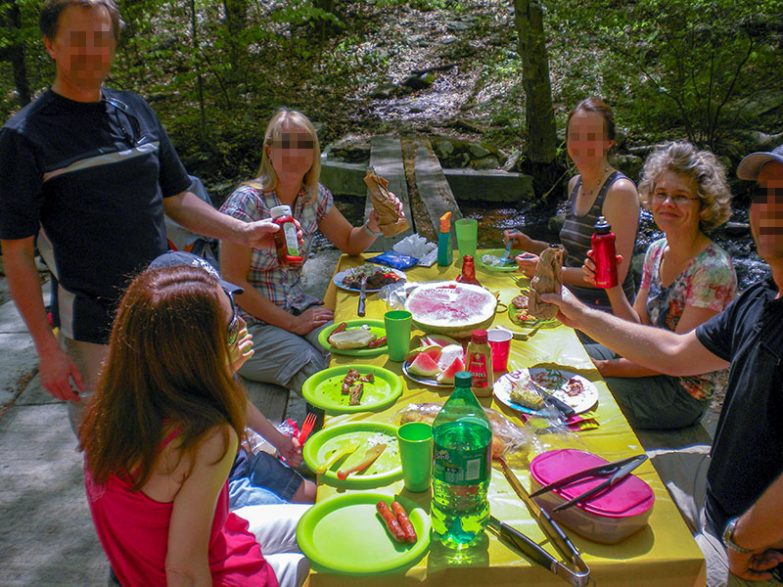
point(573, 570)
point(616, 471)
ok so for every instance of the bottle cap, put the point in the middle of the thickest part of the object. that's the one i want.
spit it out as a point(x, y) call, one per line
point(463, 379)
point(601, 225)
point(479, 336)
point(281, 210)
point(445, 222)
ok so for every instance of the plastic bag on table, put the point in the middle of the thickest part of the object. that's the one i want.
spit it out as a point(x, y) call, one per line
point(395, 294)
point(417, 246)
point(509, 440)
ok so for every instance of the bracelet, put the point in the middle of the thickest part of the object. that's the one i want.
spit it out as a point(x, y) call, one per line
point(366, 228)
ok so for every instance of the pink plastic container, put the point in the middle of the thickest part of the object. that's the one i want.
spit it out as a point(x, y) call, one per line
point(610, 517)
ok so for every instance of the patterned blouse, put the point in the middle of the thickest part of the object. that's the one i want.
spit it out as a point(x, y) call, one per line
point(281, 285)
point(708, 281)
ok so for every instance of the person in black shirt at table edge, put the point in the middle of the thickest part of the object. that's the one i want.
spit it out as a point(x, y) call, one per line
point(744, 490)
point(94, 170)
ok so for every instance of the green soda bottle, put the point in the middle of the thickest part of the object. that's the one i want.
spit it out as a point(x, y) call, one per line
point(461, 468)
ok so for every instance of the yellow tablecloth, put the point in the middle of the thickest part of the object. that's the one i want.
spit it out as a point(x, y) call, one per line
point(664, 553)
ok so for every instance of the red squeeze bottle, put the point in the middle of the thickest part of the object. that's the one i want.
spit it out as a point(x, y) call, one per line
point(286, 239)
point(604, 255)
point(468, 274)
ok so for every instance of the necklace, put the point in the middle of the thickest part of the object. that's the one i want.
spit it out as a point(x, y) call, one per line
point(588, 193)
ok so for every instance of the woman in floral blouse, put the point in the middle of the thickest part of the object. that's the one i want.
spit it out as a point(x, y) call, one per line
point(283, 319)
point(686, 280)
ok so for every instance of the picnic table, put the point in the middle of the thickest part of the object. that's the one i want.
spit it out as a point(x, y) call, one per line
point(664, 553)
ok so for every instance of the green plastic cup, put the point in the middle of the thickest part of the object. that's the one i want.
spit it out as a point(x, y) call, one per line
point(415, 441)
point(398, 333)
point(467, 236)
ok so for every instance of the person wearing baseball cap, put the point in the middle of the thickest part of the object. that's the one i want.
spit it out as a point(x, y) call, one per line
point(737, 519)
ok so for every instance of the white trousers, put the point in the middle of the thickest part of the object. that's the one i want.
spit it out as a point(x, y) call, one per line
point(274, 526)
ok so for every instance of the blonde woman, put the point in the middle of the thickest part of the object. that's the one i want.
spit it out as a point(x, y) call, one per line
point(283, 320)
point(686, 280)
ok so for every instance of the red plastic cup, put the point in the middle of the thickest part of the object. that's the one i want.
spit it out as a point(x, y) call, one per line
point(500, 345)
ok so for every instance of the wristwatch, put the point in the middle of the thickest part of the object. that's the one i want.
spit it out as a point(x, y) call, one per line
point(728, 537)
point(370, 231)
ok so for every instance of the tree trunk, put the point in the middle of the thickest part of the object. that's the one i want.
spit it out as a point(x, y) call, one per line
point(14, 53)
point(236, 21)
point(539, 114)
point(199, 78)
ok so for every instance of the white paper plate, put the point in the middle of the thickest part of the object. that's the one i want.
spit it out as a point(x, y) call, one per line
point(553, 380)
point(338, 279)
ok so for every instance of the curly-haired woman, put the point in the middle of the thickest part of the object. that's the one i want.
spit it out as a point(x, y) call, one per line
point(686, 279)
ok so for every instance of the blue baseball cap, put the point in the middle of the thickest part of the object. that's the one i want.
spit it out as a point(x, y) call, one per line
point(750, 166)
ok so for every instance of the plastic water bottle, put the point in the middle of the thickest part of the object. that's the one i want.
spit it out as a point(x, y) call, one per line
point(604, 255)
point(461, 469)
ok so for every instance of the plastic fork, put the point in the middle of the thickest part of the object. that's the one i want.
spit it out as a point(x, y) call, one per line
point(307, 428)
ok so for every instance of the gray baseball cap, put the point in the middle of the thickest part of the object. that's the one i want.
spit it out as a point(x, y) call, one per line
point(174, 258)
point(750, 166)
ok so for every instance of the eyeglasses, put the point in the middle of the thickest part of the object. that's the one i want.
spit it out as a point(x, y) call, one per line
point(677, 199)
point(234, 325)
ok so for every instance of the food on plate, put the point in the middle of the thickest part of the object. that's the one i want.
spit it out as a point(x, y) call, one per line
point(351, 377)
point(520, 302)
point(369, 378)
point(405, 522)
point(508, 439)
point(390, 220)
point(355, 394)
point(447, 375)
point(374, 344)
point(525, 395)
point(377, 277)
point(355, 338)
point(424, 366)
point(451, 307)
point(391, 521)
point(573, 387)
point(369, 458)
point(431, 361)
point(548, 279)
point(337, 455)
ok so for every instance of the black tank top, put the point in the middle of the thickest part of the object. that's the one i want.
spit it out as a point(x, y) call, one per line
point(575, 237)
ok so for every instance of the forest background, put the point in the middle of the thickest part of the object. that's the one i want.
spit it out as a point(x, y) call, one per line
point(500, 72)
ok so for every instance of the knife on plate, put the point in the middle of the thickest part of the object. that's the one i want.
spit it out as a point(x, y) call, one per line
point(362, 297)
point(552, 399)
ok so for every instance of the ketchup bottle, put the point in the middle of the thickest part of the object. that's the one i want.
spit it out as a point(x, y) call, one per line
point(468, 274)
point(286, 239)
point(604, 255)
point(479, 360)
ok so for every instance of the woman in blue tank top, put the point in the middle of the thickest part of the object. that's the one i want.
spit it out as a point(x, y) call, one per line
point(598, 190)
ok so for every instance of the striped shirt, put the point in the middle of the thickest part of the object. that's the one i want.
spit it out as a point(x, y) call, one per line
point(280, 284)
point(575, 236)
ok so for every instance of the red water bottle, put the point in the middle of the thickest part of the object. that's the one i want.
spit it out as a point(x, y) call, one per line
point(604, 255)
point(468, 274)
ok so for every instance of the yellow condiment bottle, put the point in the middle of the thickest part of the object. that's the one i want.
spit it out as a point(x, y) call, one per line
point(479, 363)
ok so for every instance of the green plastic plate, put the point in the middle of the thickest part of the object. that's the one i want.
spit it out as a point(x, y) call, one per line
point(386, 468)
point(497, 253)
point(376, 327)
point(323, 389)
point(344, 534)
point(530, 322)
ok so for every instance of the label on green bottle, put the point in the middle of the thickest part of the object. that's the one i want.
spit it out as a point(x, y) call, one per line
point(464, 467)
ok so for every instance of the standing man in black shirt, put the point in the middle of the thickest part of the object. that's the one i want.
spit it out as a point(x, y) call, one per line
point(744, 485)
point(94, 171)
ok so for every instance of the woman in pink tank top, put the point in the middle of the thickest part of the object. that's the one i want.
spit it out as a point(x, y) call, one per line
point(161, 433)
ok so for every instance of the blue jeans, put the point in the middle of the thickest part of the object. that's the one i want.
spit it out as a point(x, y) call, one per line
point(260, 479)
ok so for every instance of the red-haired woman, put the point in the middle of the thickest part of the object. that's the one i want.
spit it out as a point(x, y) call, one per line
point(160, 436)
point(598, 190)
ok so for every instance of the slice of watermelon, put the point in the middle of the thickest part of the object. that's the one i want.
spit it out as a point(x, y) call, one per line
point(432, 350)
point(448, 354)
point(447, 376)
point(424, 366)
